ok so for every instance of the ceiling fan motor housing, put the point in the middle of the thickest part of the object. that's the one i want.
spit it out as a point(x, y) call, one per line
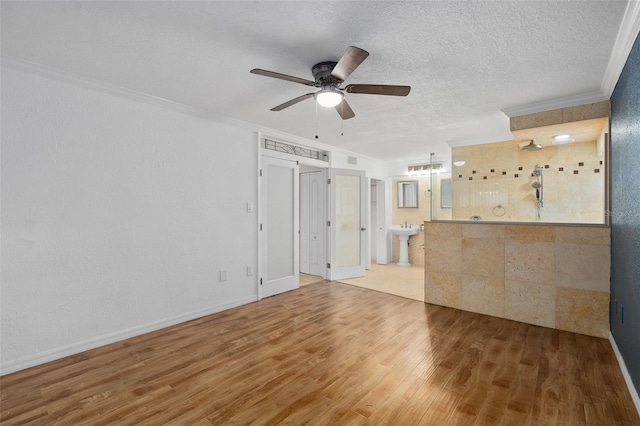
point(322, 73)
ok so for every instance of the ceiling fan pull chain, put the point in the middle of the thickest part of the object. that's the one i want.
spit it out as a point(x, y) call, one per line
point(341, 119)
point(316, 120)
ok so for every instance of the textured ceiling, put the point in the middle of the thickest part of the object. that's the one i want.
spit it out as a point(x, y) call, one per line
point(466, 61)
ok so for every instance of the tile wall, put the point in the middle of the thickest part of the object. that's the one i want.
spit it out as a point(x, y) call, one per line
point(553, 276)
point(495, 183)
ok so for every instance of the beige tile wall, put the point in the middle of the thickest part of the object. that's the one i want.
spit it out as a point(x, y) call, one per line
point(495, 183)
point(553, 276)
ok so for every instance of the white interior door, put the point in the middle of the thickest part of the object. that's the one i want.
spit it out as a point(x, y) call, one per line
point(279, 217)
point(305, 206)
point(380, 232)
point(313, 228)
point(373, 224)
point(317, 224)
point(349, 215)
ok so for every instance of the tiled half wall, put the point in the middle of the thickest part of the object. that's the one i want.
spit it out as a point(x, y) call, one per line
point(553, 276)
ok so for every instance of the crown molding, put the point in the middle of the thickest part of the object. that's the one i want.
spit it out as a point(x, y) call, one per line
point(118, 91)
point(557, 103)
point(136, 96)
point(627, 34)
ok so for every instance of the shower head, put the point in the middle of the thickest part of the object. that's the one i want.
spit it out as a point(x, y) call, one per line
point(537, 171)
point(532, 146)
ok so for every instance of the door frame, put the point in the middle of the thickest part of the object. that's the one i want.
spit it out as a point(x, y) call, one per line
point(322, 219)
point(326, 167)
point(286, 283)
point(334, 272)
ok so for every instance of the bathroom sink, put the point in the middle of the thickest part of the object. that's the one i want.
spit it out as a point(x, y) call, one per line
point(404, 232)
point(403, 235)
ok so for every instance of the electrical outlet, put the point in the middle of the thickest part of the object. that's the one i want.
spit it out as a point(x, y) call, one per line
point(223, 275)
point(249, 270)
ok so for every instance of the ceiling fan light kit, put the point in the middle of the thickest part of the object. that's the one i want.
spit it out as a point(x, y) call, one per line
point(329, 76)
point(328, 98)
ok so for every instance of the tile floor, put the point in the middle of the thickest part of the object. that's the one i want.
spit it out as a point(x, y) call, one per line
point(405, 281)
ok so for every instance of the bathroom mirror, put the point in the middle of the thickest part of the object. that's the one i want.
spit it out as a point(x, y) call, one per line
point(408, 194)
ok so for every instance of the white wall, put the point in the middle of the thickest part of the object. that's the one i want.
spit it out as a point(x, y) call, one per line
point(116, 218)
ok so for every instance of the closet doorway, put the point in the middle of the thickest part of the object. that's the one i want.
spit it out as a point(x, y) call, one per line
point(313, 222)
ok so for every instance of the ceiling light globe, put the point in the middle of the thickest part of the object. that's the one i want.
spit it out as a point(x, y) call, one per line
point(562, 137)
point(328, 98)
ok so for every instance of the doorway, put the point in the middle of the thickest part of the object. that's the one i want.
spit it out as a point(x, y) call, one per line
point(279, 225)
point(313, 233)
point(331, 228)
point(379, 240)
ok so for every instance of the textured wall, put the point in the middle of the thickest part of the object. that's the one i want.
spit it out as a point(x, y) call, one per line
point(625, 213)
point(553, 276)
point(116, 217)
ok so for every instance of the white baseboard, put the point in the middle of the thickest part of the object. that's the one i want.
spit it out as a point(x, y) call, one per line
point(625, 373)
point(75, 348)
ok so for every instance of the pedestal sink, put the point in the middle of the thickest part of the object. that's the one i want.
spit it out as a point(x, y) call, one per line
point(403, 235)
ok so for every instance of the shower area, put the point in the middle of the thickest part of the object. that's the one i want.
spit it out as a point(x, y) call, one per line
point(553, 174)
point(539, 187)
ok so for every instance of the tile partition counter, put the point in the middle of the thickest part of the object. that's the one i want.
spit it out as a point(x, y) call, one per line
point(555, 276)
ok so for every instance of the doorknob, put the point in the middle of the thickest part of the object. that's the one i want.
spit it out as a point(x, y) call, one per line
point(363, 229)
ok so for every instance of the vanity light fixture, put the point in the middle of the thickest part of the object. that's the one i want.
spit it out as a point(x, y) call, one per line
point(426, 168)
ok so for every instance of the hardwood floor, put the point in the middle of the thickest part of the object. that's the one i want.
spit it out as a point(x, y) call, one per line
point(306, 279)
point(331, 353)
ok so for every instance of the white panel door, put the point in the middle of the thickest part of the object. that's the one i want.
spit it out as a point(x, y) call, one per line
point(304, 223)
point(279, 217)
point(349, 213)
point(317, 224)
point(313, 229)
point(382, 239)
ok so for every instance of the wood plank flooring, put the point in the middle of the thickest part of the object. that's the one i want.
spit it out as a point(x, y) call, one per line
point(330, 353)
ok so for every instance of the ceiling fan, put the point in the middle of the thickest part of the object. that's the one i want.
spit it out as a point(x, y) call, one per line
point(328, 76)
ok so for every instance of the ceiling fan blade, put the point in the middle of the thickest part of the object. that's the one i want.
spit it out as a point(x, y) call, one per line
point(282, 76)
point(345, 110)
point(292, 102)
point(378, 89)
point(351, 59)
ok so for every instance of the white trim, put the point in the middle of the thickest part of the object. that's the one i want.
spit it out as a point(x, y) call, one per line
point(625, 373)
point(76, 348)
point(557, 103)
point(88, 83)
point(133, 95)
point(627, 34)
point(118, 91)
